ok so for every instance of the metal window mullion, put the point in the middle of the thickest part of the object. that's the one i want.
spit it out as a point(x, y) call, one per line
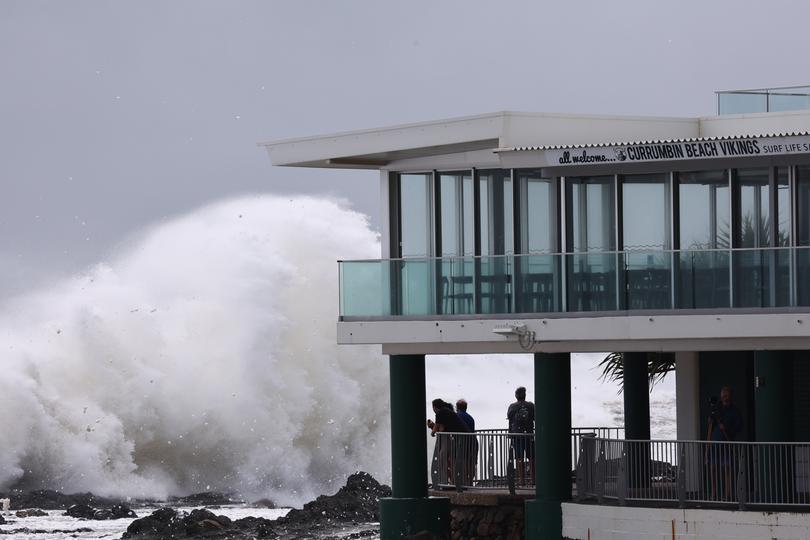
point(618, 242)
point(674, 237)
point(732, 234)
point(792, 241)
point(562, 218)
point(515, 238)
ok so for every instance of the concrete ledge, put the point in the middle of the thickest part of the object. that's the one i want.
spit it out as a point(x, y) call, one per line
point(587, 521)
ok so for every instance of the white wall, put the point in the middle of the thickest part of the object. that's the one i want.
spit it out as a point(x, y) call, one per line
point(592, 522)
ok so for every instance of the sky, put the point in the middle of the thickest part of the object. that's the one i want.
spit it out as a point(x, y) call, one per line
point(117, 115)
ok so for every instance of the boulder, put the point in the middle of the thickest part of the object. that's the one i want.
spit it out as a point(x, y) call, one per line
point(31, 512)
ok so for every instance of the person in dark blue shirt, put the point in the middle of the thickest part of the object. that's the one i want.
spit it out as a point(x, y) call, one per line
point(461, 410)
point(725, 425)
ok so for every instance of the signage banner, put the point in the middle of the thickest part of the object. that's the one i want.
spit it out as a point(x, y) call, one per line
point(638, 153)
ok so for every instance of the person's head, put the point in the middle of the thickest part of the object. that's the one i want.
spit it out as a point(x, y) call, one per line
point(520, 393)
point(725, 396)
point(461, 404)
point(438, 403)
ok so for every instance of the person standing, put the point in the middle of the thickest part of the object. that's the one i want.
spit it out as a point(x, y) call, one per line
point(448, 448)
point(461, 410)
point(725, 424)
point(521, 421)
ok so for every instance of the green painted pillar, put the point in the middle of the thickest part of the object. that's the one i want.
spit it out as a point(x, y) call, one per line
point(552, 384)
point(636, 396)
point(409, 510)
point(773, 396)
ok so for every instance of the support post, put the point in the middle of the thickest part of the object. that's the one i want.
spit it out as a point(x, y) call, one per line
point(552, 460)
point(637, 417)
point(409, 510)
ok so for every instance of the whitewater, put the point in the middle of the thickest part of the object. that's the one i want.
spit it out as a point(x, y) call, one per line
point(200, 357)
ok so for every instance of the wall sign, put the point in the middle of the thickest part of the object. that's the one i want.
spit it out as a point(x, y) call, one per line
point(765, 146)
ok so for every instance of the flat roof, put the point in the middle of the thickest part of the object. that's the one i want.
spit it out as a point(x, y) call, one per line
point(509, 130)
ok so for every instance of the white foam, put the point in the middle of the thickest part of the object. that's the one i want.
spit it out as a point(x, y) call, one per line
point(200, 358)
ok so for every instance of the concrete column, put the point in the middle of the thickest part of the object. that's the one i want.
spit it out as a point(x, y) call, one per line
point(687, 398)
point(409, 510)
point(773, 396)
point(636, 396)
point(552, 384)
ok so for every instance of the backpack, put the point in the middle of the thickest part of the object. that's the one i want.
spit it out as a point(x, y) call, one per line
point(523, 423)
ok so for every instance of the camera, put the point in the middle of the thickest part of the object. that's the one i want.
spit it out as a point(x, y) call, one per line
point(715, 410)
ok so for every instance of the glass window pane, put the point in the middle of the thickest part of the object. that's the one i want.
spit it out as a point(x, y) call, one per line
point(591, 214)
point(645, 212)
point(467, 217)
point(456, 196)
point(803, 196)
point(448, 186)
point(783, 206)
point(484, 196)
point(703, 198)
point(496, 211)
point(539, 215)
point(413, 197)
point(754, 228)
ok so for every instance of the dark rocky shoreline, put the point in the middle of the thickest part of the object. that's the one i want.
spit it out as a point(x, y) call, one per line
point(351, 513)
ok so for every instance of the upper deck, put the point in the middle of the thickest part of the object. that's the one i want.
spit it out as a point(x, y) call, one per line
point(579, 232)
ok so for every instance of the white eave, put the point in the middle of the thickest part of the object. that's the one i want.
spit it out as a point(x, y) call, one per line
point(507, 132)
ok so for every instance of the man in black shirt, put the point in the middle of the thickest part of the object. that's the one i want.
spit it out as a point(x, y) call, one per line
point(446, 421)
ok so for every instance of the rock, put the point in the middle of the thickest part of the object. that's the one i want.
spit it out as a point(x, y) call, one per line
point(358, 501)
point(48, 499)
point(31, 512)
point(2, 520)
point(81, 511)
point(264, 503)
point(116, 511)
point(168, 523)
point(207, 498)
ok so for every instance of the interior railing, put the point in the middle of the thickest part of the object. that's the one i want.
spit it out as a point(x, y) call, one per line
point(684, 473)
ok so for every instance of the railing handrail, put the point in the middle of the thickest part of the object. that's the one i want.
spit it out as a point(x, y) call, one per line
point(577, 253)
point(675, 441)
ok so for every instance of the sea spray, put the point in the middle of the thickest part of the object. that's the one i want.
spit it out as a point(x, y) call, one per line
point(201, 357)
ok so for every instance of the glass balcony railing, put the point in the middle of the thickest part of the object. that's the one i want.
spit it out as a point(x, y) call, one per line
point(759, 100)
point(576, 282)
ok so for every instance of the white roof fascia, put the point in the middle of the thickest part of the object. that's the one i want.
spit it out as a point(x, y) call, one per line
point(545, 129)
point(741, 125)
point(324, 149)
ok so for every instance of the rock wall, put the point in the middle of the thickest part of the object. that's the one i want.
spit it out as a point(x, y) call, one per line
point(487, 520)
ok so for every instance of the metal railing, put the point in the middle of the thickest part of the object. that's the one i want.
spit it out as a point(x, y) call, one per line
point(495, 458)
point(740, 474)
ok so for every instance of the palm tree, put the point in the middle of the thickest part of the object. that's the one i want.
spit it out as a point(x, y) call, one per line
point(658, 365)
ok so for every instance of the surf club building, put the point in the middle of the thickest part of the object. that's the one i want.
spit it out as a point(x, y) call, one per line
point(681, 240)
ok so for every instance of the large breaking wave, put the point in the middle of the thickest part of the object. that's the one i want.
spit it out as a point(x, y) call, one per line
point(201, 357)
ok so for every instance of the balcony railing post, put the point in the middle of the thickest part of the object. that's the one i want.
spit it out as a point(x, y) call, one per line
point(621, 474)
point(600, 473)
point(742, 474)
point(584, 465)
point(681, 472)
point(510, 470)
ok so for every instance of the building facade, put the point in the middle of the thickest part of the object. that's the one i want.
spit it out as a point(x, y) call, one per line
point(556, 233)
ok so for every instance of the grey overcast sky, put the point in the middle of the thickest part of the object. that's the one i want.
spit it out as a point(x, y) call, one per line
point(115, 115)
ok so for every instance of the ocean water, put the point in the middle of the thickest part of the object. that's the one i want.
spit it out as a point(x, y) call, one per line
point(56, 526)
point(201, 356)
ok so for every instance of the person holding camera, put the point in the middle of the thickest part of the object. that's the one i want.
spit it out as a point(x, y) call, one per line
point(725, 424)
